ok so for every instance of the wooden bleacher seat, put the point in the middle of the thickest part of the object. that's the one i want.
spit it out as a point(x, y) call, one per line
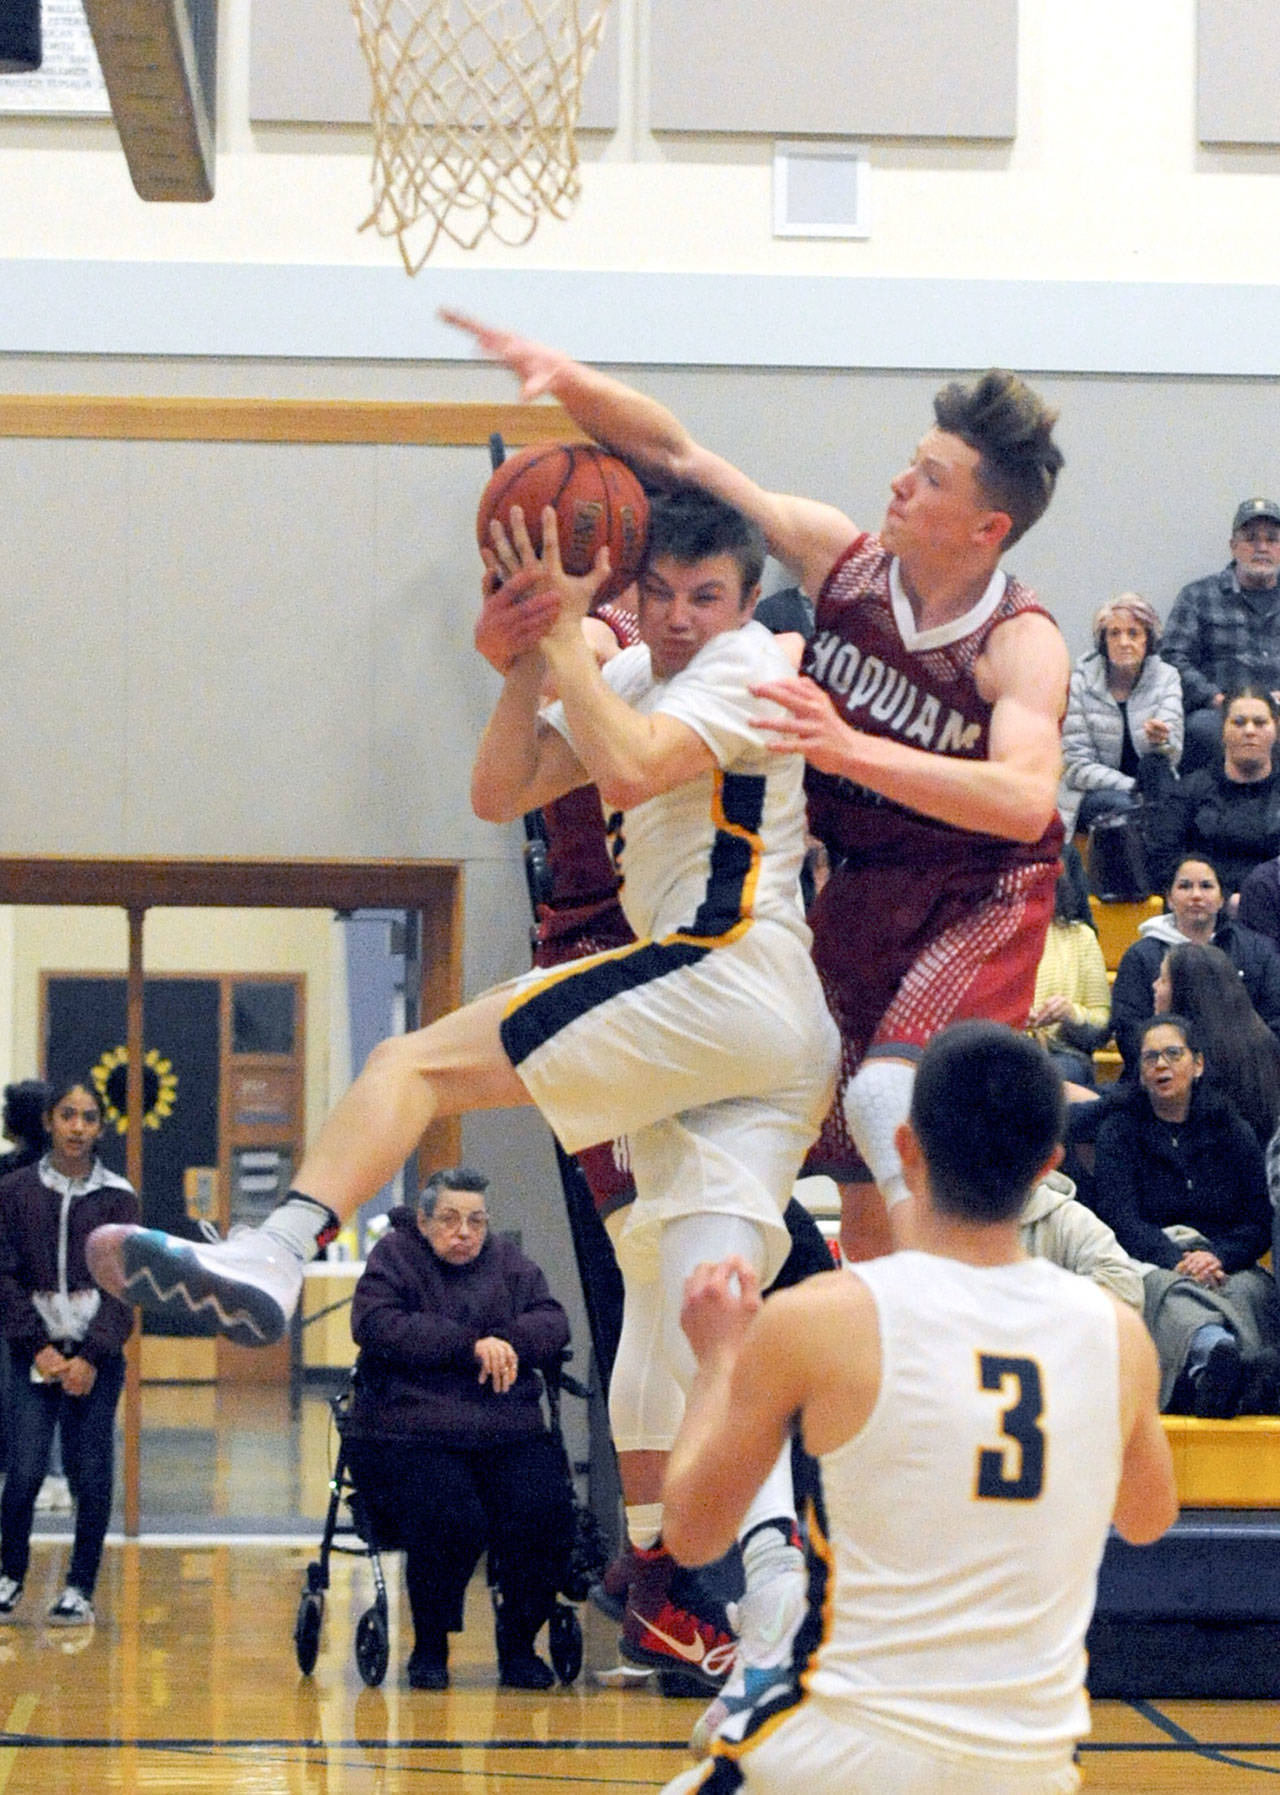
point(1117, 930)
point(1118, 925)
point(1226, 1464)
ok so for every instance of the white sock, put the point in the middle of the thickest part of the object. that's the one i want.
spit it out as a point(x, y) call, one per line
point(644, 1524)
point(302, 1225)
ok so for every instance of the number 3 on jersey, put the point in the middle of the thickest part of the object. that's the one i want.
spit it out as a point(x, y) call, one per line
point(1005, 1474)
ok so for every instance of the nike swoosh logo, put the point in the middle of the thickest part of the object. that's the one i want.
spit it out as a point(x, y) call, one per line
point(693, 1652)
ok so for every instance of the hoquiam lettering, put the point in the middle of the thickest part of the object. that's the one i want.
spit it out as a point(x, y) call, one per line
point(862, 683)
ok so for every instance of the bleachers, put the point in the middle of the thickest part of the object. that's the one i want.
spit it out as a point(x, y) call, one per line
point(1197, 1615)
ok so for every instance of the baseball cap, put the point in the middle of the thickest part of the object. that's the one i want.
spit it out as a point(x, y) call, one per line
point(1252, 509)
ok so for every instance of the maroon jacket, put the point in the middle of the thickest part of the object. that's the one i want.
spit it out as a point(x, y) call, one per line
point(416, 1320)
point(32, 1218)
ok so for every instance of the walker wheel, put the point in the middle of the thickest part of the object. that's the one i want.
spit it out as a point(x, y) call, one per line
point(564, 1640)
point(306, 1630)
point(372, 1649)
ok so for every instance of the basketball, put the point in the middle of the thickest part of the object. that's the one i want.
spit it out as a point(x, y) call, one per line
point(599, 503)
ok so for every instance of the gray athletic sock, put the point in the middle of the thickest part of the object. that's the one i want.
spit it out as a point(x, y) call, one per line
point(302, 1225)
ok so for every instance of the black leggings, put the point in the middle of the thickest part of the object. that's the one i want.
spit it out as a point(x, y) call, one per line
point(445, 1505)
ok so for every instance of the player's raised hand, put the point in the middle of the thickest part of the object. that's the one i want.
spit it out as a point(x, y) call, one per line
point(515, 613)
point(810, 724)
point(535, 365)
point(516, 559)
point(719, 1304)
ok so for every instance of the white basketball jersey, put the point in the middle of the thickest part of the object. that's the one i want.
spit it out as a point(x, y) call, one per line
point(724, 849)
point(966, 1520)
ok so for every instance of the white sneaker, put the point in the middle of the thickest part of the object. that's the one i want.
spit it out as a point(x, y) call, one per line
point(766, 1621)
point(248, 1284)
point(10, 1596)
point(72, 1609)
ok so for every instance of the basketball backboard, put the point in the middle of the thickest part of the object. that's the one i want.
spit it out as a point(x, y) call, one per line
point(159, 60)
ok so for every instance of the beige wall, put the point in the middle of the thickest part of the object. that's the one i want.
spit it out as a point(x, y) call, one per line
point(1104, 179)
point(58, 939)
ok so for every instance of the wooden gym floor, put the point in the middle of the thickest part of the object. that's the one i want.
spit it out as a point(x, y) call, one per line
point(189, 1683)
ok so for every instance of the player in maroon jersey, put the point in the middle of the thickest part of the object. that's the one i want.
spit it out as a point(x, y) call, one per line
point(929, 712)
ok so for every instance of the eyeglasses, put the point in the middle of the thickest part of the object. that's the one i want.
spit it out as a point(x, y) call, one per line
point(454, 1221)
point(1152, 1056)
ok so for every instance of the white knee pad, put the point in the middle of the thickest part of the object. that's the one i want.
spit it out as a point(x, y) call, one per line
point(877, 1099)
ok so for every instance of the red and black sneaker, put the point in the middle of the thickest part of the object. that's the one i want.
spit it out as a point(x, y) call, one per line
point(609, 1594)
point(663, 1636)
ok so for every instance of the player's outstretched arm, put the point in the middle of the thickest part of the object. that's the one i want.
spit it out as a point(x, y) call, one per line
point(1147, 1499)
point(804, 534)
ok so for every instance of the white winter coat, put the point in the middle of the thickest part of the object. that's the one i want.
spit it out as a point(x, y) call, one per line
point(1092, 735)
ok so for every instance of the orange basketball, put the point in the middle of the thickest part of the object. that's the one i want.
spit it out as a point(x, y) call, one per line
point(598, 502)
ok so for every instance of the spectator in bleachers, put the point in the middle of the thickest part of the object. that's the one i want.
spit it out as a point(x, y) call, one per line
point(1124, 706)
point(1179, 1177)
point(22, 1122)
point(1226, 627)
point(1185, 1318)
point(1230, 813)
point(1259, 906)
point(1071, 1012)
point(1194, 914)
point(1241, 1051)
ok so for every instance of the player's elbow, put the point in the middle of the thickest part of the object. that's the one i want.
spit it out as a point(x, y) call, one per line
point(623, 790)
point(493, 805)
point(1146, 1518)
point(1034, 812)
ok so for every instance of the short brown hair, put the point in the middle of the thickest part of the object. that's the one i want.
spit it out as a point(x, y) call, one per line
point(1011, 428)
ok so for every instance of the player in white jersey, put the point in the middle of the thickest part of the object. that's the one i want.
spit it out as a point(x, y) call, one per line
point(706, 1041)
point(979, 1417)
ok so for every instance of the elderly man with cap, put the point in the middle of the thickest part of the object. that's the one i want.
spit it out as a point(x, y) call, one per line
point(1226, 628)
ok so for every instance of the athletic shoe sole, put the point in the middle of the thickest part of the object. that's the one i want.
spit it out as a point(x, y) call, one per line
point(668, 1662)
point(166, 1276)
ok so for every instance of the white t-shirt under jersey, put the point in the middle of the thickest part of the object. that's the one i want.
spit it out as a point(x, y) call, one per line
point(966, 1520)
point(728, 845)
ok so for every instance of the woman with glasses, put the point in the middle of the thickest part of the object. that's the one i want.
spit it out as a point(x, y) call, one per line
point(446, 1438)
point(1179, 1177)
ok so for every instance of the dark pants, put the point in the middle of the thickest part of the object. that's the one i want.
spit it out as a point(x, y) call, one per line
point(87, 1427)
point(1104, 802)
point(445, 1506)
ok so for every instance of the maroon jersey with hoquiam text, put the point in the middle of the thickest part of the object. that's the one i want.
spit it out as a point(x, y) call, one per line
point(916, 687)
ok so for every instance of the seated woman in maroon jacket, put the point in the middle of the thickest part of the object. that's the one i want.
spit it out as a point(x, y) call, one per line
point(446, 1438)
point(65, 1340)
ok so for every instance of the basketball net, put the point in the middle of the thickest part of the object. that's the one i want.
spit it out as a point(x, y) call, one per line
point(474, 108)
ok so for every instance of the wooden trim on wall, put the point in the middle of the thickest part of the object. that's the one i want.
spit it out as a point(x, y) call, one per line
point(217, 883)
point(140, 419)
